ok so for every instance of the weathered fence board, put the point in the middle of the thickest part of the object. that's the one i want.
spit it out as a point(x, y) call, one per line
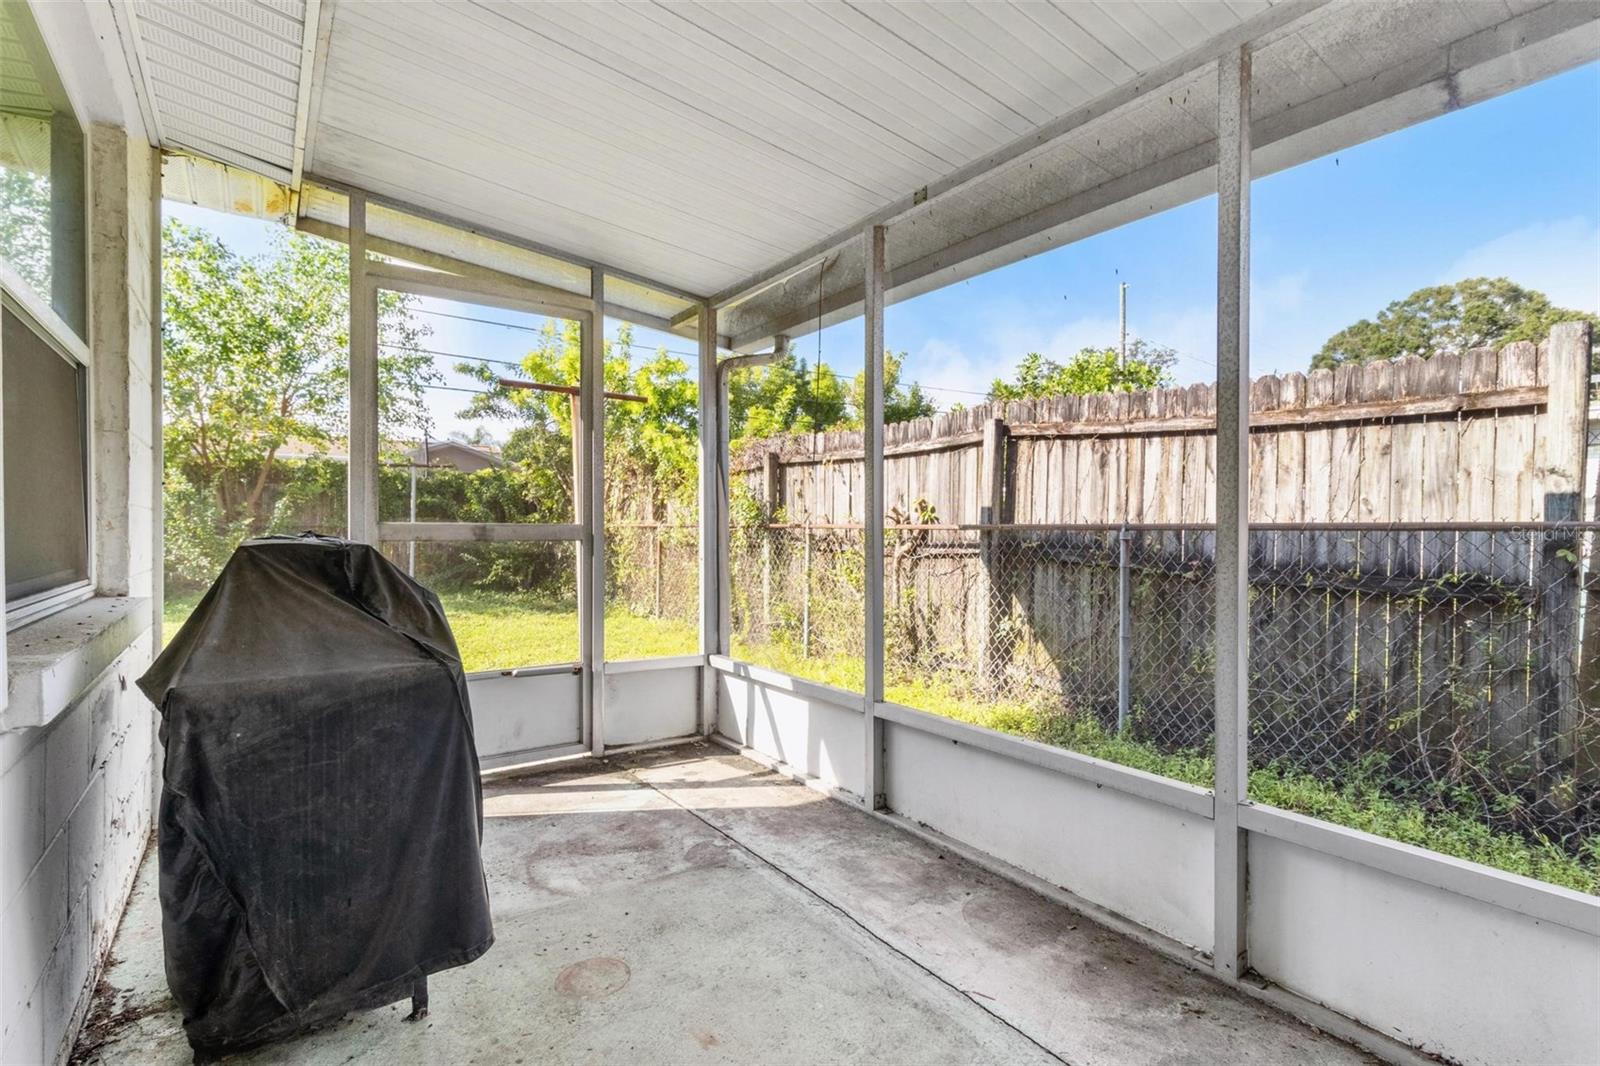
point(1456, 438)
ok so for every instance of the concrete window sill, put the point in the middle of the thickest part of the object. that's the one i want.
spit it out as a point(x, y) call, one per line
point(51, 662)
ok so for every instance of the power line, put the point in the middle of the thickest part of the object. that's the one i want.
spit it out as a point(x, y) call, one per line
point(469, 318)
point(449, 355)
point(540, 329)
point(457, 388)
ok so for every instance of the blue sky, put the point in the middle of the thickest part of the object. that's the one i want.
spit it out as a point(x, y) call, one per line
point(1510, 186)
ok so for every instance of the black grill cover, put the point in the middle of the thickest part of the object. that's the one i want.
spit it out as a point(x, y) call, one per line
point(320, 809)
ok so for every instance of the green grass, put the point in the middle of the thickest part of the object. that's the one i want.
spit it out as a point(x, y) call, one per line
point(497, 631)
point(1357, 801)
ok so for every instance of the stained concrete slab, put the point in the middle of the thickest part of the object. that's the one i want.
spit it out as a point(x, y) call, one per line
point(688, 905)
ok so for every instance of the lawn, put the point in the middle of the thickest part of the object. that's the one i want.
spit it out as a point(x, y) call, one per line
point(497, 631)
point(1358, 799)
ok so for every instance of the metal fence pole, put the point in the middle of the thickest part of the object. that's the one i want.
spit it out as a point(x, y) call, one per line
point(805, 596)
point(655, 562)
point(1124, 628)
point(769, 503)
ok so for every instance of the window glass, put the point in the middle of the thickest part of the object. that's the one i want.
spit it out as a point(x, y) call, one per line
point(46, 515)
point(41, 170)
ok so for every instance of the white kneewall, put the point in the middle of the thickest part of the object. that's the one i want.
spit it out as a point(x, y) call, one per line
point(645, 702)
point(77, 792)
point(1136, 858)
point(1456, 977)
point(810, 729)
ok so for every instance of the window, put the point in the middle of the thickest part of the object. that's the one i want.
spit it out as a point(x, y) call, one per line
point(43, 372)
point(46, 482)
point(41, 173)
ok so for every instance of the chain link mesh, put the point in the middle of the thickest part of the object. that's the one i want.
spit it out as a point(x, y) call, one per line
point(797, 595)
point(652, 589)
point(1435, 682)
point(1437, 685)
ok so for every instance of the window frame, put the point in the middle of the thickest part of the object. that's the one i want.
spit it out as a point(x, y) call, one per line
point(20, 299)
point(37, 312)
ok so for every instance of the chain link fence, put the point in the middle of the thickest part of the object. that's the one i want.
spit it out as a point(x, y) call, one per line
point(798, 600)
point(652, 589)
point(1435, 684)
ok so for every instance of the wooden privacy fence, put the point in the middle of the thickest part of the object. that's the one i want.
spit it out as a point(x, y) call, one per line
point(1407, 598)
point(1485, 435)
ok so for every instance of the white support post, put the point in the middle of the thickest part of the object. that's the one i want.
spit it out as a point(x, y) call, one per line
point(362, 471)
point(724, 489)
point(872, 436)
point(1233, 507)
point(713, 527)
point(589, 437)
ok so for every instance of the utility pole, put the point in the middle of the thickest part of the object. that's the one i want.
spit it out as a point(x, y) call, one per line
point(1122, 322)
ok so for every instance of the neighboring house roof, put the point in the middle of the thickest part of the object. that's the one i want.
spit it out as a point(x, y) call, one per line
point(445, 454)
point(455, 455)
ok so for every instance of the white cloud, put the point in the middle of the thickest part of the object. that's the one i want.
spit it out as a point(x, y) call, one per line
point(1560, 258)
point(1287, 292)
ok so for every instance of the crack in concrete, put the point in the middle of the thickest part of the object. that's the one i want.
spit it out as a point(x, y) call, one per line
point(842, 912)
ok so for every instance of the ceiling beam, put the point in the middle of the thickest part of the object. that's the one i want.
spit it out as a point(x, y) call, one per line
point(314, 29)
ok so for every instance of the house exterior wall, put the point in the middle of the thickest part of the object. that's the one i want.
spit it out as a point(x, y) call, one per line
point(77, 792)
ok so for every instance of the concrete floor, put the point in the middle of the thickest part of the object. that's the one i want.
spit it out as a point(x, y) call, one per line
point(687, 905)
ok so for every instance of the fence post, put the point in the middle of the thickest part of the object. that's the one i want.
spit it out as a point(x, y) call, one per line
point(992, 600)
point(805, 597)
point(1124, 628)
point(655, 571)
point(769, 506)
point(1565, 438)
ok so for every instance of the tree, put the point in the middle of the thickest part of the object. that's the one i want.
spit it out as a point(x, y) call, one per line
point(255, 356)
point(25, 225)
point(1092, 370)
point(1474, 313)
point(788, 396)
point(901, 402)
point(655, 441)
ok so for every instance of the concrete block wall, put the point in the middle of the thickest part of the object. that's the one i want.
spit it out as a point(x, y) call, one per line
point(77, 794)
point(75, 797)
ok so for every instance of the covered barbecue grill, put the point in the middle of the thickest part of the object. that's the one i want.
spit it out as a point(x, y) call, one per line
point(320, 809)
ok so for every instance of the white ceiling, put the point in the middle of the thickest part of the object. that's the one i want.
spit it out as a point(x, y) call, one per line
point(694, 143)
point(704, 144)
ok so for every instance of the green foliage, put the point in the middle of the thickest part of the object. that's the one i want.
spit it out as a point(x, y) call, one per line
point(654, 443)
point(25, 225)
point(1473, 313)
point(901, 402)
point(255, 358)
point(790, 396)
point(1091, 371)
point(198, 536)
